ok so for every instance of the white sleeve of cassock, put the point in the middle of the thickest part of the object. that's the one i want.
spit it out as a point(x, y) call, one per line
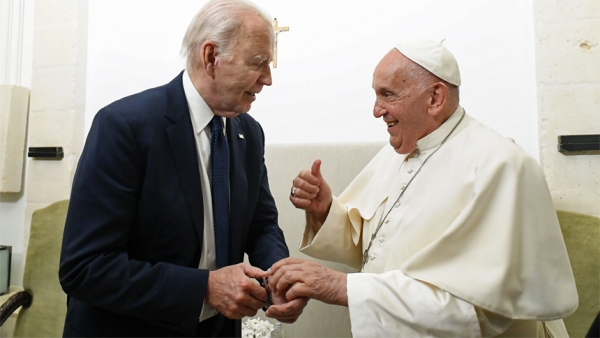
point(392, 304)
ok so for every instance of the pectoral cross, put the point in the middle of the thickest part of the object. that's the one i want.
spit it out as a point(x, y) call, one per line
point(365, 260)
point(277, 29)
point(366, 253)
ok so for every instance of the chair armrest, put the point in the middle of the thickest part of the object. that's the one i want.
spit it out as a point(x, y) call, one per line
point(21, 298)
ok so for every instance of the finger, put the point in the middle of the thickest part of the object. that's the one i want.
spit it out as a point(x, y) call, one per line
point(284, 318)
point(283, 262)
point(239, 309)
point(246, 311)
point(274, 279)
point(254, 304)
point(287, 312)
point(315, 170)
point(253, 272)
point(309, 184)
point(292, 307)
point(247, 306)
point(289, 277)
point(299, 290)
point(279, 311)
point(258, 295)
point(307, 176)
point(280, 269)
point(300, 203)
point(250, 292)
point(301, 194)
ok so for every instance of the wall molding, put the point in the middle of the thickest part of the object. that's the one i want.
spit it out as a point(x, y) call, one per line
point(11, 29)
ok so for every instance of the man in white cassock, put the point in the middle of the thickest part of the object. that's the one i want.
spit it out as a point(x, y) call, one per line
point(453, 227)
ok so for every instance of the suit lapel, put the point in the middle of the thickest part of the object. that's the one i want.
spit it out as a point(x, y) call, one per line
point(238, 186)
point(183, 148)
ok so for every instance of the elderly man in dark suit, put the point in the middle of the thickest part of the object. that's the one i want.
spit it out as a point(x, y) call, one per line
point(171, 190)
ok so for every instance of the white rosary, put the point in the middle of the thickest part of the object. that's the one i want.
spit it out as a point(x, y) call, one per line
point(383, 218)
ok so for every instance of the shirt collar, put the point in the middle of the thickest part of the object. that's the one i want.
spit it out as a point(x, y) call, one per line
point(436, 137)
point(200, 112)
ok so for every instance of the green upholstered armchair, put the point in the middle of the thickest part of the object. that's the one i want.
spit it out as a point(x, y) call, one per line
point(582, 237)
point(45, 316)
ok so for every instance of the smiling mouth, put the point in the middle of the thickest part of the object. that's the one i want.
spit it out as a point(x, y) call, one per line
point(251, 94)
point(391, 124)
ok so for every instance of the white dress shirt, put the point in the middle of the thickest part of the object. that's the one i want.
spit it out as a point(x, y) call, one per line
point(201, 115)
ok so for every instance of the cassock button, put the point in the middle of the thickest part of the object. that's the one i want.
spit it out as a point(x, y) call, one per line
point(373, 258)
point(381, 240)
point(403, 186)
point(409, 170)
point(387, 221)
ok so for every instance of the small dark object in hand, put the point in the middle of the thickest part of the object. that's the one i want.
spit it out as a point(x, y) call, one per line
point(264, 282)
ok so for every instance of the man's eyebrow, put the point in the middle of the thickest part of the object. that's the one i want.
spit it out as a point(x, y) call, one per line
point(384, 89)
point(260, 58)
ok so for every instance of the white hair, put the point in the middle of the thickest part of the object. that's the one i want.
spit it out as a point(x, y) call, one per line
point(218, 21)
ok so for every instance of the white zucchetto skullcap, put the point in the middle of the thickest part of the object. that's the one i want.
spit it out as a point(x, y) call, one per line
point(432, 56)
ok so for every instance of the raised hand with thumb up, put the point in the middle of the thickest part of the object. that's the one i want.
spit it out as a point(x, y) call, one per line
point(310, 192)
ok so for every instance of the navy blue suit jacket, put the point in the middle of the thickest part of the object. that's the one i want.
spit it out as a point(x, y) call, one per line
point(134, 229)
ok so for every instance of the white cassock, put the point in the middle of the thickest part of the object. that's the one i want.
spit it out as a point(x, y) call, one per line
point(472, 248)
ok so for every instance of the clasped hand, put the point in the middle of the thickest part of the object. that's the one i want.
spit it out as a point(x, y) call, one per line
point(295, 278)
point(234, 292)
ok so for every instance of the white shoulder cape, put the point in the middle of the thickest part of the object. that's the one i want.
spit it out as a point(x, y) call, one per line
point(482, 226)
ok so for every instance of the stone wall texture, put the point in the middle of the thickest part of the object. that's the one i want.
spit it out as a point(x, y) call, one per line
point(567, 36)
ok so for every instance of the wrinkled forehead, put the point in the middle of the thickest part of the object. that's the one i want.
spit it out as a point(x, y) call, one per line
point(255, 39)
point(253, 28)
point(391, 70)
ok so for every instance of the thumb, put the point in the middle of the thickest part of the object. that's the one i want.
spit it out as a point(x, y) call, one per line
point(315, 170)
point(254, 272)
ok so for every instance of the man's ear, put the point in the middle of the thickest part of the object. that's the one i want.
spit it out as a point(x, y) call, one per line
point(438, 98)
point(207, 57)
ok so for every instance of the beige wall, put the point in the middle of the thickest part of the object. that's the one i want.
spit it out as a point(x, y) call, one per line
point(568, 77)
point(57, 99)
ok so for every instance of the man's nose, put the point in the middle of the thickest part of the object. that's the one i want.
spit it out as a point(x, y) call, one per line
point(265, 78)
point(378, 110)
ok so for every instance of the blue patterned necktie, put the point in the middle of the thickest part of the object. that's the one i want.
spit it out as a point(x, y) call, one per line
point(219, 166)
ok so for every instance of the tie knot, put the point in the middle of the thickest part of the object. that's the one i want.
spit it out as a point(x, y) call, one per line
point(216, 124)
